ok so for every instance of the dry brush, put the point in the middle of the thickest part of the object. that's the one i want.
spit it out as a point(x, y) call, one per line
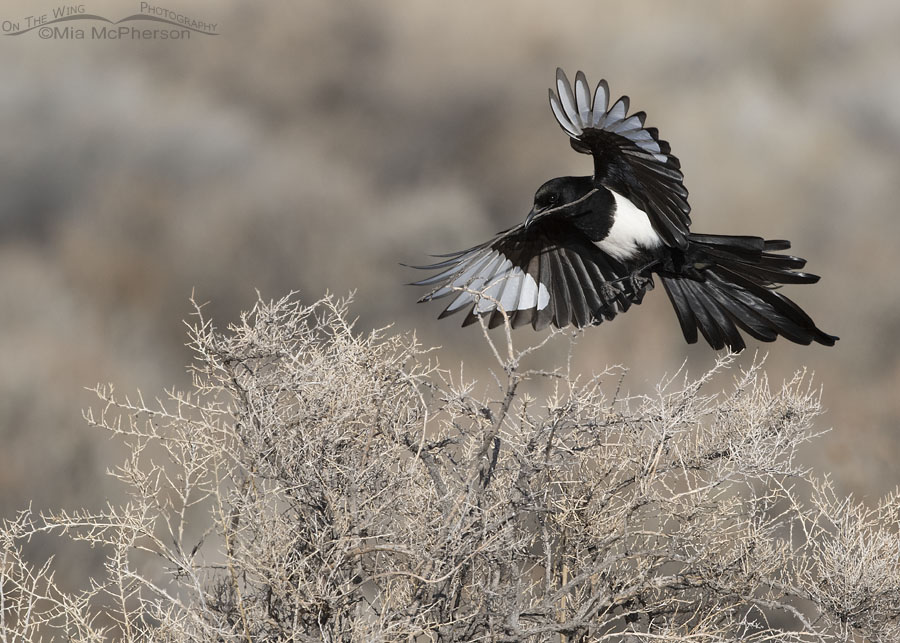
point(319, 483)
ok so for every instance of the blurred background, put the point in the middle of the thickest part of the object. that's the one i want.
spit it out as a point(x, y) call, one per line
point(314, 146)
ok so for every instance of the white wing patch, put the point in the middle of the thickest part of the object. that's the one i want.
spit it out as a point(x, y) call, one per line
point(491, 294)
point(488, 279)
point(631, 230)
point(533, 295)
point(513, 289)
point(463, 278)
point(575, 113)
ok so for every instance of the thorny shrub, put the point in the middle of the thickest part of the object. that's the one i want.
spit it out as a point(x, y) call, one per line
point(318, 483)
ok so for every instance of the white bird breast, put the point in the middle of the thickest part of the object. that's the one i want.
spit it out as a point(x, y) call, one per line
point(631, 230)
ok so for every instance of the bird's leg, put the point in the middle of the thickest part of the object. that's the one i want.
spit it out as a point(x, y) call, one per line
point(639, 282)
point(636, 278)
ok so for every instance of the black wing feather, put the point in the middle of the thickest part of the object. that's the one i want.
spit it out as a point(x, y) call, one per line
point(547, 273)
point(628, 157)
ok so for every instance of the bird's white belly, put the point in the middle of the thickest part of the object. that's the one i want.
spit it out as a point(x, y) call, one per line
point(631, 230)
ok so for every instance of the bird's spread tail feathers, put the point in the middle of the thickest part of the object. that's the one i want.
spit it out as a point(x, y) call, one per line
point(726, 283)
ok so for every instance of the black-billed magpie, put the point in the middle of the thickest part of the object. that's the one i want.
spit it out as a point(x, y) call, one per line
point(590, 246)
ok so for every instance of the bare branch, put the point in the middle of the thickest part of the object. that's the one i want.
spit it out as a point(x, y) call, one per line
point(320, 483)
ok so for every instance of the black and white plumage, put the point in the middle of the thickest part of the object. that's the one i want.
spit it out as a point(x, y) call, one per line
point(591, 245)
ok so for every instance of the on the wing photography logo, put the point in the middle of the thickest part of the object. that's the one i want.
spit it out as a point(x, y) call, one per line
point(74, 22)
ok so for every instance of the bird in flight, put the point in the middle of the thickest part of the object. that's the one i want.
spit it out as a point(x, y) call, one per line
point(591, 246)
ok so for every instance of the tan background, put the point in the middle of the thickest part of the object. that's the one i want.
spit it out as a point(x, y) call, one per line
point(314, 146)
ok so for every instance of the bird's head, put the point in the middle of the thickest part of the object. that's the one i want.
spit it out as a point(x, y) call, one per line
point(557, 193)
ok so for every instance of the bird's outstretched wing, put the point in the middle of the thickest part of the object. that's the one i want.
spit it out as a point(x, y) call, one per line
point(628, 158)
point(547, 273)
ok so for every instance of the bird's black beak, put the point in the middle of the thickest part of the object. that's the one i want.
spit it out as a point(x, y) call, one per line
point(530, 218)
